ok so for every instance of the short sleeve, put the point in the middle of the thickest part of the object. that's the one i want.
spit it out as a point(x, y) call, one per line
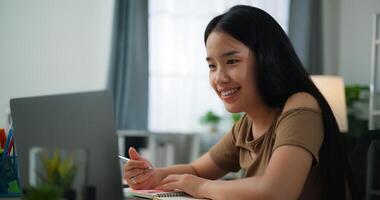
point(301, 127)
point(225, 153)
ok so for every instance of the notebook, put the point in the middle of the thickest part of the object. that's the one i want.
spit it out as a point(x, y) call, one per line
point(161, 195)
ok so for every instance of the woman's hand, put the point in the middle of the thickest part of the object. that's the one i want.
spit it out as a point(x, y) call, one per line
point(188, 183)
point(139, 173)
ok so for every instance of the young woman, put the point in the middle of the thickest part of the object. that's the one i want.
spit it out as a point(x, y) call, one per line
point(287, 141)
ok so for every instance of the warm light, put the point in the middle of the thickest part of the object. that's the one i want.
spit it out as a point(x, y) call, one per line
point(332, 88)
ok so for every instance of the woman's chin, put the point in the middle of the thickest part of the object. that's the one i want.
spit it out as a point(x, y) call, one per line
point(232, 109)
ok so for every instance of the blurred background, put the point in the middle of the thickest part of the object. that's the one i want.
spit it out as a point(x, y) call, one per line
point(151, 52)
point(151, 55)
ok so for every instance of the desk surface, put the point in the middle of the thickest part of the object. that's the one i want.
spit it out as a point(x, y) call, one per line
point(125, 191)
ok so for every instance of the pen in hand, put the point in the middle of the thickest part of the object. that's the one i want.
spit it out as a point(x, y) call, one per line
point(125, 159)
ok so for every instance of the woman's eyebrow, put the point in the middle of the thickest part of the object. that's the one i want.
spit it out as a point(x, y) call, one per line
point(229, 53)
point(225, 54)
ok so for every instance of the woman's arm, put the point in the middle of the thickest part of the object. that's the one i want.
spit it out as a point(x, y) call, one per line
point(206, 168)
point(283, 179)
point(139, 173)
point(203, 167)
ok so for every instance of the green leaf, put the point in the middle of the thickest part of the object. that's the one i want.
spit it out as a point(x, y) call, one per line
point(59, 171)
point(235, 117)
point(210, 117)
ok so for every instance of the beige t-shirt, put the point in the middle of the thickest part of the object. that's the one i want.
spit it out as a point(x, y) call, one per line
point(302, 127)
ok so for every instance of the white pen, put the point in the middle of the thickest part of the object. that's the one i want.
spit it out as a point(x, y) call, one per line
point(124, 159)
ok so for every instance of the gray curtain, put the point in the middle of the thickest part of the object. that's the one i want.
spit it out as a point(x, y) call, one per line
point(305, 33)
point(128, 76)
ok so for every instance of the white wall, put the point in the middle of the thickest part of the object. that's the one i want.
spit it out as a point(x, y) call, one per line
point(53, 46)
point(347, 33)
point(355, 37)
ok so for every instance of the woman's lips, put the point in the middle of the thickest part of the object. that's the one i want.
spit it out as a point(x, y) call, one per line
point(228, 95)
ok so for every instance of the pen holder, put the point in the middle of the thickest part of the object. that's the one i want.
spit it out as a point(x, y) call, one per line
point(9, 177)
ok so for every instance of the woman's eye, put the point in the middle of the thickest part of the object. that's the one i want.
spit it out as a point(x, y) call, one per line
point(230, 62)
point(211, 67)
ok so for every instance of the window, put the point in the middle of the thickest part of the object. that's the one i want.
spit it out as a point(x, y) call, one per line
point(180, 92)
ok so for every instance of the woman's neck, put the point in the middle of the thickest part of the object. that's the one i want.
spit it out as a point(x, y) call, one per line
point(262, 118)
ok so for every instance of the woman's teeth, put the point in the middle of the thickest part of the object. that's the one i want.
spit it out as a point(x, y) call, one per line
point(229, 92)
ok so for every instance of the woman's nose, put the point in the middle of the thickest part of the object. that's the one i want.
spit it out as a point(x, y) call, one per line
point(221, 76)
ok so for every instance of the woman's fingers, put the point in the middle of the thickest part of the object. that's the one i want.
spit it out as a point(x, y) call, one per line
point(138, 171)
point(142, 177)
point(171, 182)
point(168, 186)
point(132, 164)
point(140, 181)
point(134, 172)
point(170, 178)
point(133, 154)
point(137, 160)
point(186, 182)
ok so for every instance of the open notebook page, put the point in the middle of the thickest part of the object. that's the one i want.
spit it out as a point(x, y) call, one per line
point(160, 195)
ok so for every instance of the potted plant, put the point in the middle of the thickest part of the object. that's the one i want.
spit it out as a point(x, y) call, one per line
point(56, 179)
point(212, 120)
point(235, 117)
point(357, 99)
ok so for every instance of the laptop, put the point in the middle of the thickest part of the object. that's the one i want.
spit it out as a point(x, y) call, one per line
point(71, 121)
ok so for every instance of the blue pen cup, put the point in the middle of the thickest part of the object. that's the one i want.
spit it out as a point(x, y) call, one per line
point(9, 177)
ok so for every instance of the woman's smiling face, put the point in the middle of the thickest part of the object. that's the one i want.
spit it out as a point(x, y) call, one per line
point(232, 66)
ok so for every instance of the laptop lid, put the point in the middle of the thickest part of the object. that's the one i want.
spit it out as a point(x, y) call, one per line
point(79, 120)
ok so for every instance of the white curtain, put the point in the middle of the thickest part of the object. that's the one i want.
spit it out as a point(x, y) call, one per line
point(179, 89)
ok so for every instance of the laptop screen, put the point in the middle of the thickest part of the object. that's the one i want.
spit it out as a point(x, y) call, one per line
point(71, 121)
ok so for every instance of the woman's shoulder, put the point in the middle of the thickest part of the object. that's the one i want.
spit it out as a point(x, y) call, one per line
point(301, 100)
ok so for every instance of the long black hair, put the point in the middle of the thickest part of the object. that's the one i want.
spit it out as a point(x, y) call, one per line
point(281, 74)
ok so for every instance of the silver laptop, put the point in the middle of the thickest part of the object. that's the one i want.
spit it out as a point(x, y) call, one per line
point(71, 121)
